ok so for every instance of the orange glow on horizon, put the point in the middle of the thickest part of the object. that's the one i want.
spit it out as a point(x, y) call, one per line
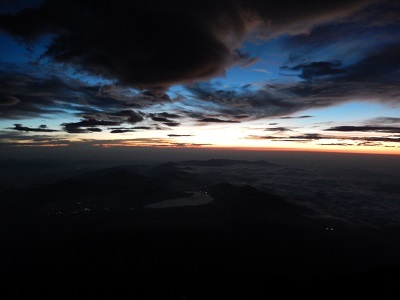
point(350, 150)
point(173, 144)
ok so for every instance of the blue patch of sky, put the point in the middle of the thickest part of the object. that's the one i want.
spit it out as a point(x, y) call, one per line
point(270, 58)
point(346, 42)
point(29, 58)
point(85, 77)
point(14, 51)
point(352, 112)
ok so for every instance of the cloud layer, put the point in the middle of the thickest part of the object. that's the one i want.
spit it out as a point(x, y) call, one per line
point(152, 65)
point(160, 43)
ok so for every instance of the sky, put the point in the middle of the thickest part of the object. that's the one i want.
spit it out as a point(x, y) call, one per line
point(315, 75)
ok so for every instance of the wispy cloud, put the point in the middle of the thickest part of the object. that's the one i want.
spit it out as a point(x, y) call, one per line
point(278, 129)
point(216, 120)
point(385, 129)
point(41, 128)
point(261, 71)
point(383, 120)
point(309, 137)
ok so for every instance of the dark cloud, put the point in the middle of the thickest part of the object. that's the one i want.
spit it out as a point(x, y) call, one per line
point(142, 127)
point(381, 13)
point(87, 125)
point(134, 99)
point(385, 129)
point(240, 116)
point(155, 44)
point(172, 124)
point(299, 117)
point(41, 128)
point(155, 96)
point(216, 120)
point(384, 120)
point(167, 115)
point(375, 25)
point(31, 93)
point(375, 77)
point(294, 18)
point(261, 137)
point(315, 137)
point(129, 129)
point(272, 100)
point(378, 139)
point(376, 70)
point(165, 118)
point(98, 38)
point(72, 129)
point(161, 119)
point(179, 135)
point(380, 66)
point(8, 100)
point(36, 97)
point(279, 129)
point(121, 130)
point(313, 70)
point(128, 116)
point(90, 122)
point(336, 144)
point(307, 136)
point(94, 129)
point(144, 47)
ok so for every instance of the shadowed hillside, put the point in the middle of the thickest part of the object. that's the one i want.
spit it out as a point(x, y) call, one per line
point(175, 230)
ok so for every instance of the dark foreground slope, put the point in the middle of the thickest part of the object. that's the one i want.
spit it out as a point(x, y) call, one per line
point(243, 244)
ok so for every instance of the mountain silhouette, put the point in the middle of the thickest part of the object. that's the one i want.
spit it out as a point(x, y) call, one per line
point(252, 204)
point(100, 227)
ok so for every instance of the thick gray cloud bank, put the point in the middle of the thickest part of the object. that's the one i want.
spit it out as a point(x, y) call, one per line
point(155, 44)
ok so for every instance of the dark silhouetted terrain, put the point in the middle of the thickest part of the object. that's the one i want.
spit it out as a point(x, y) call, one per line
point(215, 229)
